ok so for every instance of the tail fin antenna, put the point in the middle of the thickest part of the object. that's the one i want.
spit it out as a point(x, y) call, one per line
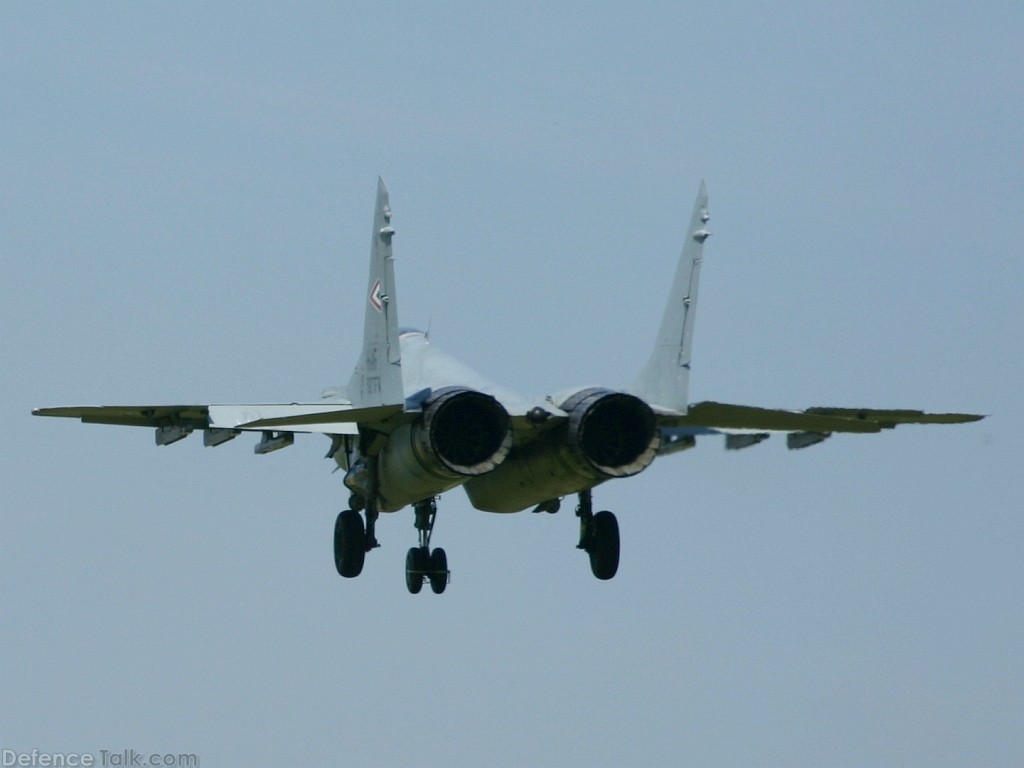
point(377, 379)
point(665, 380)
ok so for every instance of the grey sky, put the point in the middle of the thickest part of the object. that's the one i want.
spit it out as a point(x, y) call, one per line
point(186, 205)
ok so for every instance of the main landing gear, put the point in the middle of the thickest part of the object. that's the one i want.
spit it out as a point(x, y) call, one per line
point(353, 539)
point(349, 543)
point(599, 538)
point(422, 563)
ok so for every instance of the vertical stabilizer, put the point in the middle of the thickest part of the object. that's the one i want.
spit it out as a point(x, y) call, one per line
point(666, 378)
point(377, 379)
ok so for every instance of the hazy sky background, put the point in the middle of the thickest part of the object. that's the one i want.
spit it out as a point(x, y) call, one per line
point(187, 191)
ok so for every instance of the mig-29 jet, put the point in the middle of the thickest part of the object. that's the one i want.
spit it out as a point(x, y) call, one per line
point(414, 422)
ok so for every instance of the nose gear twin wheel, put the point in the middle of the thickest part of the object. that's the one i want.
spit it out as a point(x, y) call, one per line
point(439, 572)
point(423, 565)
point(415, 568)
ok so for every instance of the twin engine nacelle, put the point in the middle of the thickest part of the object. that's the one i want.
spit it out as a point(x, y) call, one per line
point(611, 434)
point(608, 434)
point(461, 434)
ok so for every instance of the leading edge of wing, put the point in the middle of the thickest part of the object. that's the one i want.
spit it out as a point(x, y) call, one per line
point(333, 418)
point(195, 416)
point(724, 416)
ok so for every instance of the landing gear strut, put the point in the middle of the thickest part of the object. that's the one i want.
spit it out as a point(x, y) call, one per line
point(599, 538)
point(422, 564)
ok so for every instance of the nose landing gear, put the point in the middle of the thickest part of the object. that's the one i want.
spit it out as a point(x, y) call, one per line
point(422, 564)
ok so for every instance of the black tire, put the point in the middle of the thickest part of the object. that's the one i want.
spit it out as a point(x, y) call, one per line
point(349, 544)
point(417, 563)
point(438, 571)
point(604, 548)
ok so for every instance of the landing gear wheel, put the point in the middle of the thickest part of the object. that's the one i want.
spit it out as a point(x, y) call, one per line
point(349, 544)
point(604, 546)
point(438, 571)
point(417, 565)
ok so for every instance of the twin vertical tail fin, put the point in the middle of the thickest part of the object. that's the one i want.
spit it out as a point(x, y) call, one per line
point(665, 380)
point(377, 379)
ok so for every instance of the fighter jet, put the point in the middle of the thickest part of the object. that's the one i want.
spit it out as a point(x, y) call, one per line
point(413, 423)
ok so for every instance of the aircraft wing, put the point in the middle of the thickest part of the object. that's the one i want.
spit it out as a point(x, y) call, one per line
point(132, 415)
point(336, 418)
point(746, 425)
